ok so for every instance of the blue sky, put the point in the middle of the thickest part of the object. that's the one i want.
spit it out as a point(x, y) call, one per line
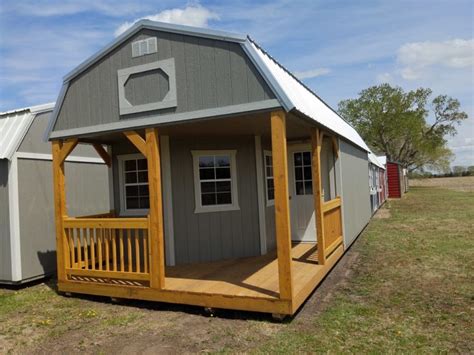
point(337, 48)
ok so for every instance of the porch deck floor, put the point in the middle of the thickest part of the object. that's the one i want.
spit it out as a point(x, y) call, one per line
point(251, 277)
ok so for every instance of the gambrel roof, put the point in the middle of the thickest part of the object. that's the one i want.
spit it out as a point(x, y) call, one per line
point(291, 93)
point(14, 125)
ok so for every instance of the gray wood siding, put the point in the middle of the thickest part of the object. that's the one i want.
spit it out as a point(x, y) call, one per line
point(209, 74)
point(218, 235)
point(355, 190)
point(33, 141)
point(5, 251)
point(87, 193)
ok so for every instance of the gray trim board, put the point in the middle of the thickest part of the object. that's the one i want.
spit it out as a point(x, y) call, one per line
point(55, 114)
point(163, 119)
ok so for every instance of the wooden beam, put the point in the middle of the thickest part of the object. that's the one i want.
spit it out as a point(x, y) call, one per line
point(316, 142)
point(282, 206)
point(335, 146)
point(103, 154)
point(66, 149)
point(157, 246)
point(62, 256)
point(137, 141)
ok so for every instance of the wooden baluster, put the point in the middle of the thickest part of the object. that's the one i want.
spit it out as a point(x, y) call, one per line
point(99, 246)
point(79, 248)
point(70, 235)
point(92, 236)
point(129, 248)
point(114, 248)
point(122, 260)
point(137, 250)
point(86, 249)
point(107, 251)
point(145, 250)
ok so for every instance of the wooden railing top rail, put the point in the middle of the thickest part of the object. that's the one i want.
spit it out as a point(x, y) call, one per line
point(332, 204)
point(99, 215)
point(116, 223)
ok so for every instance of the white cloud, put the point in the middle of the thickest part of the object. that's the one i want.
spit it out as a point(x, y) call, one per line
point(417, 58)
point(384, 78)
point(312, 73)
point(191, 15)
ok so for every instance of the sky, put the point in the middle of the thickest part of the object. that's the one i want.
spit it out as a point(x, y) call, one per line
point(337, 48)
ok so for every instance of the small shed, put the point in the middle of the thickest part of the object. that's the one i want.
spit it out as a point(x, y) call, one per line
point(397, 178)
point(376, 182)
point(27, 242)
point(235, 186)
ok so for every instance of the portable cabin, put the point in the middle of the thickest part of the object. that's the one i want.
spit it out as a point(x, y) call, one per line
point(235, 186)
point(397, 179)
point(376, 182)
point(382, 159)
point(27, 239)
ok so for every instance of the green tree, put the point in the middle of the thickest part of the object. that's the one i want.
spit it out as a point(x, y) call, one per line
point(395, 123)
point(458, 170)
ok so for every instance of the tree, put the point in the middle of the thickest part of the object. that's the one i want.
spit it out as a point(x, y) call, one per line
point(394, 122)
point(458, 170)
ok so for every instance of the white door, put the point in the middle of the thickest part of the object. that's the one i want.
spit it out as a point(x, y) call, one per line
point(303, 227)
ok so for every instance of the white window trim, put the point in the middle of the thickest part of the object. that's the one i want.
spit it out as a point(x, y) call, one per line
point(234, 206)
point(267, 153)
point(123, 210)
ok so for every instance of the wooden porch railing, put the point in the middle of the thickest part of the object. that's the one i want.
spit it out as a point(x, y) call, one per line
point(107, 250)
point(332, 218)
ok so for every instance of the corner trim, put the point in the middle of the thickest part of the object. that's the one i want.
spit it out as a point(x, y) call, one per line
point(168, 119)
point(260, 195)
point(55, 114)
point(14, 213)
point(168, 199)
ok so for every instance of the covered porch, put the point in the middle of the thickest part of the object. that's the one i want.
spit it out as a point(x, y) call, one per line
point(119, 256)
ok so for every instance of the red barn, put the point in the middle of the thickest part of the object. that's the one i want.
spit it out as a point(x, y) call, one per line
point(397, 180)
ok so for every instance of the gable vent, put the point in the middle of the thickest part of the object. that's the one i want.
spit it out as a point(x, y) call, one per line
point(144, 46)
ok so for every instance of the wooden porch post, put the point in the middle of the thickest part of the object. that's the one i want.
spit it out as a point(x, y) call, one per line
point(282, 207)
point(316, 142)
point(157, 255)
point(59, 209)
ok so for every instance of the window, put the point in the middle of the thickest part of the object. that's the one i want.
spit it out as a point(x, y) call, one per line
point(133, 179)
point(303, 175)
point(215, 181)
point(270, 187)
point(144, 46)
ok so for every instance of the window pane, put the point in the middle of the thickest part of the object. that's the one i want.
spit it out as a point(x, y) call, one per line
point(144, 202)
point(270, 183)
point(142, 176)
point(268, 160)
point(131, 191)
point(223, 186)
point(132, 203)
point(308, 188)
point(208, 187)
point(130, 165)
point(298, 173)
point(271, 194)
point(269, 171)
point(142, 164)
point(299, 188)
point(131, 178)
point(208, 199)
point(298, 159)
point(206, 161)
point(307, 158)
point(223, 173)
point(307, 173)
point(224, 198)
point(143, 190)
point(207, 174)
point(223, 160)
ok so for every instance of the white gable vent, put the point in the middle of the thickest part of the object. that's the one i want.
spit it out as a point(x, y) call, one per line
point(144, 46)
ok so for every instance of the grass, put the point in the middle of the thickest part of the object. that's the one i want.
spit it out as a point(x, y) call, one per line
point(413, 286)
point(411, 290)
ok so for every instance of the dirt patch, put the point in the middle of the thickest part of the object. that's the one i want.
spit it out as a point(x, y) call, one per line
point(382, 213)
point(464, 183)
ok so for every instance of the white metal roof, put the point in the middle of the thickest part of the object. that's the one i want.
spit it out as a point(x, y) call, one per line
point(305, 101)
point(382, 159)
point(14, 125)
point(373, 159)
